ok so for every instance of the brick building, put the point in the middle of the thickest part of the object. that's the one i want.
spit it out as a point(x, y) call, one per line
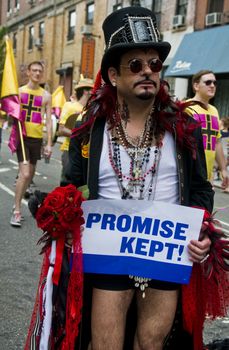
point(204, 47)
point(67, 37)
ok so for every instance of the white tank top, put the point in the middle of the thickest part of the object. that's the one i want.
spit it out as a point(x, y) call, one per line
point(166, 186)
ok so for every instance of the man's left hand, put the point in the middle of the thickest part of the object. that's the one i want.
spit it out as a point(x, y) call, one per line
point(198, 249)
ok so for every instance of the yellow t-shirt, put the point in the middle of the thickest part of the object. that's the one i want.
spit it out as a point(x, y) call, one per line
point(209, 119)
point(31, 110)
point(69, 109)
point(2, 119)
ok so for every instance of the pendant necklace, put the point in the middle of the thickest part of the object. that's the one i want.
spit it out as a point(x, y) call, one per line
point(139, 151)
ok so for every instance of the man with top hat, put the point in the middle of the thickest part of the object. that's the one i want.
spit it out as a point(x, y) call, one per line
point(71, 113)
point(136, 143)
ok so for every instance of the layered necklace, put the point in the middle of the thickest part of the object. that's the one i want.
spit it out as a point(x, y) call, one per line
point(139, 150)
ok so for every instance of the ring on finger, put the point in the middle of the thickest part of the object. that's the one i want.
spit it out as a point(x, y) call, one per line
point(204, 259)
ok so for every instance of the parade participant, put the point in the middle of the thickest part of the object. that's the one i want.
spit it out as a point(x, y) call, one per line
point(2, 120)
point(224, 130)
point(71, 113)
point(204, 87)
point(136, 143)
point(35, 103)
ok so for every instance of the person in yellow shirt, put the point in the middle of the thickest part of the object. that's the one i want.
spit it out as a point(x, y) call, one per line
point(2, 120)
point(71, 113)
point(35, 103)
point(204, 86)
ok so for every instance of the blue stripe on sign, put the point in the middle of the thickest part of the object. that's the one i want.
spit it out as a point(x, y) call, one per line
point(123, 265)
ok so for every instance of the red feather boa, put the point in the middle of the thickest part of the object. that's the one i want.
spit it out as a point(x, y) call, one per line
point(207, 293)
point(169, 115)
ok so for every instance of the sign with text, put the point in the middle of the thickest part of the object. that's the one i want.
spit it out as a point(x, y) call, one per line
point(140, 238)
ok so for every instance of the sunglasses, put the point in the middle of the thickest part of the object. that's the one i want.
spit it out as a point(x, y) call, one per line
point(209, 82)
point(136, 65)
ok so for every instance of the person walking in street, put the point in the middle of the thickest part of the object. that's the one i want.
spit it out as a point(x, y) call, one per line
point(35, 104)
point(224, 130)
point(135, 143)
point(2, 120)
point(71, 113)
point(204, 87)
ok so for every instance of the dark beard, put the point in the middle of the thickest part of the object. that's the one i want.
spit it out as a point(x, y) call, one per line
point(146, 95)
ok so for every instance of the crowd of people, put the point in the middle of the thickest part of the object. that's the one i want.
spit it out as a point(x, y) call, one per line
point(215, 131)
point(141, 145)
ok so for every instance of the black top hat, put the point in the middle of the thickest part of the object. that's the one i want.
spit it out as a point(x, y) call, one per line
point(130, 28)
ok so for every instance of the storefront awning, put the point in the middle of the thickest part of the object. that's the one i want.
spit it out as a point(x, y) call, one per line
point(205, 49)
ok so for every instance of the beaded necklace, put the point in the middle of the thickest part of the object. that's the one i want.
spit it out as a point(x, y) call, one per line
point(138, 170)
point(139, 153)
point(139, 160)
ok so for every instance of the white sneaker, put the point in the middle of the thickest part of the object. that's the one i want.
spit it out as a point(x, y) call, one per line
point(16, 219)
point(22, 217)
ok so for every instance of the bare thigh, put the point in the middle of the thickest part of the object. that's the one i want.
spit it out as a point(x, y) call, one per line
point(156, 313)
point(109, 310)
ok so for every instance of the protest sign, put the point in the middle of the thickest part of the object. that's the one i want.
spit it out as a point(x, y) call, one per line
point(140, 238)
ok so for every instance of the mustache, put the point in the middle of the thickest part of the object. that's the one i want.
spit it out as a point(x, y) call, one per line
point(146, 81)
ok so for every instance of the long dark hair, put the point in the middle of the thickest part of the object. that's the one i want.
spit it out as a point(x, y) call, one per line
point(169, 115)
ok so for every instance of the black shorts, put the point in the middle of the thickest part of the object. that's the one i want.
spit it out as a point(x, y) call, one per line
point(124, 282)
point(32, 150)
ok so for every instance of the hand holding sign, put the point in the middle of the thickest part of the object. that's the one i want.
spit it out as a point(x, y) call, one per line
point(151, 241)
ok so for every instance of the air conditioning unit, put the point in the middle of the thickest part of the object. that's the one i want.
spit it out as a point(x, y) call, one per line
point(213, 18)
point(178, 21)
point(8, 14)
point(38, 43)
point(86, 29)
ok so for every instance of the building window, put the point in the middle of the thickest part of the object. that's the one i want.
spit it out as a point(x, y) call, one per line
point(215, 6)
point(117, 7)
point(156, 8)
point(41, 31)
point(135, 3)
point(90, 13)
point(71, 24)
point(182, 7)
point(9, 6)
point(15, 42)
point(31, 37)
point(17, 4)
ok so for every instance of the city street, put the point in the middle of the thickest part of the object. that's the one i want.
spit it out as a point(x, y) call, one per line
point(19, 253)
